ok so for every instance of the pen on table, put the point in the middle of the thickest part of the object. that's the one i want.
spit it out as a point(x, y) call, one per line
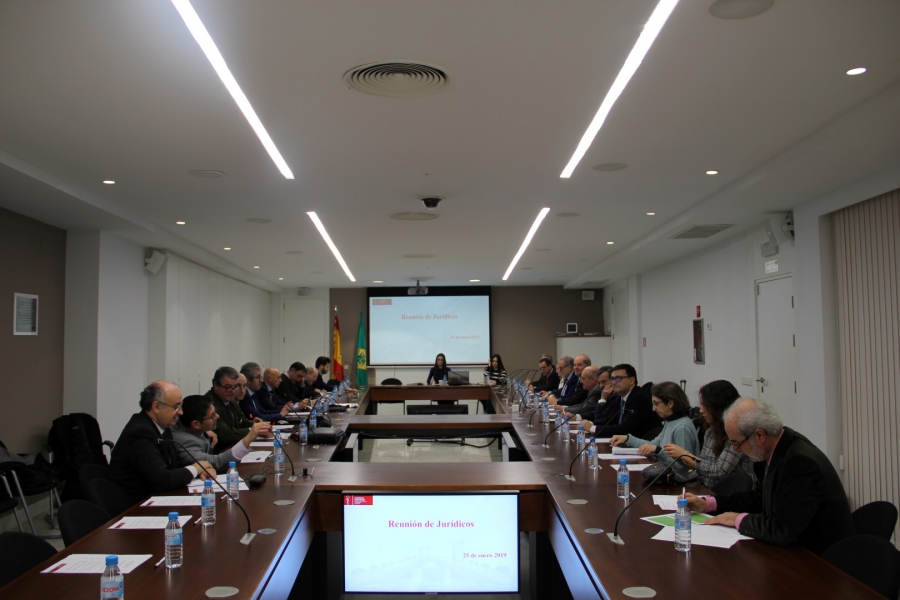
point(633, 497)
point(198, 520)
point(161, 561)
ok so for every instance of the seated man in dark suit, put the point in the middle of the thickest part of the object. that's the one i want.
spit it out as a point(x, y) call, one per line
point(291, 384)
point(549, 379)
point(579, 394)
point(636, 416)
point(251, 406)
point(323, 366)
point(565, 367)
point(233, 424)
point(801, 501)
point(596, 383)
point(194, 427)
point(143, 463)
point(608, 406)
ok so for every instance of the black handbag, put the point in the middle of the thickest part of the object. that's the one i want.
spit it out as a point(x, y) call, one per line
point(673, 477)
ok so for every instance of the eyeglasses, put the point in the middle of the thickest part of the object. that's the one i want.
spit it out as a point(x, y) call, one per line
point(175, 407)
point(213, 417)
point(255, 377)
point(655, 403)
point(228, 387)
point(619, 378)
point(735, 445)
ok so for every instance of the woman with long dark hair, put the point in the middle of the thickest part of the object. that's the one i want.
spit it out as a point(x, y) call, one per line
point(439, 371)
point(717, 458)
point(495, 372)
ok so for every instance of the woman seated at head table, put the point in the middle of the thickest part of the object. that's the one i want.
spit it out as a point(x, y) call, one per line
point(495, 372)
point(672, 406)
point(717, 458)
point(439, 371)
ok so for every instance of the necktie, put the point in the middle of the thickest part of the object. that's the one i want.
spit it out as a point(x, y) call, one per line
point(621, 411)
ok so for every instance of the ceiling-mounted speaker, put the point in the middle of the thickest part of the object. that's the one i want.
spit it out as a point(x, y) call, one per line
point(587, 294)
point(155, 261)
point(303, 291)
point(780, 229)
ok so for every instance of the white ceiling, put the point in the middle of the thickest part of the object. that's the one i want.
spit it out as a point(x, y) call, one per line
point(105, 89)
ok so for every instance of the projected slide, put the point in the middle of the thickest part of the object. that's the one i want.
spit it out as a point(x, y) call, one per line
point(431, 543)
point(414, 329)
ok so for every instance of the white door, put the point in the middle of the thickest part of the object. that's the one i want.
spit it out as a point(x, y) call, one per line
point(621, 351)
point(304, 324)
point(776, 346)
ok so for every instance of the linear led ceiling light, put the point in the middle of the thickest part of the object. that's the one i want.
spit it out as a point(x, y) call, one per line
point(531, 232)
point(648, 35)
point(198, 30)
point(334, 250)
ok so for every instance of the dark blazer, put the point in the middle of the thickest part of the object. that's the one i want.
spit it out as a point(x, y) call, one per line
point(269, 400)
point(321, 385)
point(437, 374)
point(586, 408)
point(252, 407)
point(638, 419)
point(547, 384)
point(801, 501)
point(141, 465)
point(288, 391)
point(574, 392)
point(232, 424)
point(606, 412)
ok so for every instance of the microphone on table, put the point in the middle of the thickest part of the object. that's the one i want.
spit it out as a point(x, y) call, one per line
point(545, 444)
point(248, 537)
point(580, 452)
point(536, 408)
point(614, 536)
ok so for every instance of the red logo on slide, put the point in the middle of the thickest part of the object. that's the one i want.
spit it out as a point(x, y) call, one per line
point(382, 301)
point(358, 500)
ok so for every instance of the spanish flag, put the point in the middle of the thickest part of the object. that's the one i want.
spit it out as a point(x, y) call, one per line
point(337, 372)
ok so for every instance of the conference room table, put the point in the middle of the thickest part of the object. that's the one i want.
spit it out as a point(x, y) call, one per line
point(572, 535)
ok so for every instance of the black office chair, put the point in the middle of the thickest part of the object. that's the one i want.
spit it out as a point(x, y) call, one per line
point(647, 387)
point(20, 481)
point(876, 518)
point(733, 484)
point(391, 381)
point(77, 518)
point(20, 552)
point(869, 558)
point(108, 496)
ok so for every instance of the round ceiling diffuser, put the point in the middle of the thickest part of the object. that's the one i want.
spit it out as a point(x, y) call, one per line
point(397, 79)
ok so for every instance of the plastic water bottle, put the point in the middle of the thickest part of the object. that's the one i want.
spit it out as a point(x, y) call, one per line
point(565, 430)
point(208, 504)
point(545, 414)
point(112, 583)
point(174, 545)
point(279, 456)
point(445, 380)
point(558, 421)
point(622, 479)
point(303, 435)
point(579, 438)
point(312, 419)
point(233, 481)
point(683, 527)
point(592, 455)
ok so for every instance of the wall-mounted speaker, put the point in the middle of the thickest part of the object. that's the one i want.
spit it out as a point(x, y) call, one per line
point(587, 294)
point(303, 291)
point(571, 327)
point(780, 229)
point(155, 261)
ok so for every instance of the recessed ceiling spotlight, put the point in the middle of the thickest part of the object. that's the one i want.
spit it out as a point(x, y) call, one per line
point(739, 9)
point(610, 167)
point(712, 172)
point(650, 214)
point(856, 71)
point(610, 243)
point(258, 221)
point(281, 279)
point(111, 182)
point(226, 248)
point(207, 173)
point(255, 266)
point(568, 215)
point(201, 35)
point(377, 281)
point(474, 280)
point(180, 223)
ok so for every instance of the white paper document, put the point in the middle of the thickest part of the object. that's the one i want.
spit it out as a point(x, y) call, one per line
point(262, 444)
point(618, 457)
point(256, 457)
point(88, 564)
point(602, 440)
point(717, 536)
point(147, 522)
point(197, 482)
point(279, 428)
point(172, 501)
point(637, 467)
point(666, 502)
point(624, 450)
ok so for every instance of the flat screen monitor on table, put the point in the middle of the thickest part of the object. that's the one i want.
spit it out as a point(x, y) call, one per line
point(398, 542)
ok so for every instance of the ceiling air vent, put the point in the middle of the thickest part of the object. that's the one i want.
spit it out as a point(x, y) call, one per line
point(414, 216)
point(699, 232)
point(397, 79)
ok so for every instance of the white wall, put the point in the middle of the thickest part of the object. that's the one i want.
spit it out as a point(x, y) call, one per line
point(204, 320)
point(322, 338)
point(122, 332)
point(80, 343)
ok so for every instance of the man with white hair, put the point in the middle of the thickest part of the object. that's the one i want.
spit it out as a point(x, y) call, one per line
point(801, 501)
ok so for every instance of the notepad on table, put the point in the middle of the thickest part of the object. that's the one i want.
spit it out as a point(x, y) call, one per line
point(256, 457)
point(147, 522)
point(624, 450)
point(88, 564)
point(172, 501)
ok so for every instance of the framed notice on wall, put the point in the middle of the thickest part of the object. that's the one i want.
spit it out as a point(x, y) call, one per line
point(25, 315)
